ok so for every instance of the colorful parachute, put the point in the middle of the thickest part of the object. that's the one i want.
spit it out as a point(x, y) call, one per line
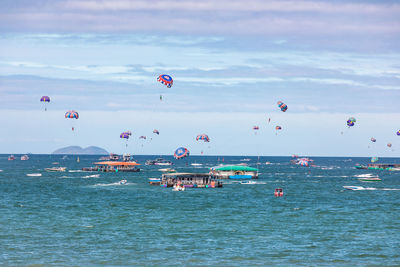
point(124, 135)
point(142, 137)
point(373, 140)
point(278, 128)
point(351, 121)
point(282, 106)
point(305, 162)
point(398, 132)
point(156, 132)
point(255, 128)
point(181, 152)
point(45, 99)
point(374, 159)
point(72, 114)
point(203, 137)
point(128, 133)
point(389, 145)
point(166, 80)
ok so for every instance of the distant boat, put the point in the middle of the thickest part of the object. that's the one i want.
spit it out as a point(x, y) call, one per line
point(34, 174)
point(11, 157)
point(56, 169)
point(159, 162)
point(356, 188)
point(24, 157)
point(245, 159)
point(196, 164)
point(77, 160)
point(370, 179)
point(122, 182)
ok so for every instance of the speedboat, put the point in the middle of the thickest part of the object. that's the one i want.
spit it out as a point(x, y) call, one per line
point(159, 162)
point(11, 157)
point(56, 169)
point(196, 164)
point(24, 157)
point(370, 179)
point(123, 182)
point(34, 174)
point(247, 182)
point(356, 188)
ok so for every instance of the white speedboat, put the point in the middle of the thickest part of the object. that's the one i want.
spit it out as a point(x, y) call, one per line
point(34, 174)
point(196, 164)
point(248, 182)
point(122, 182)
point(56, 169)
point(24, 157)
point(356, 188)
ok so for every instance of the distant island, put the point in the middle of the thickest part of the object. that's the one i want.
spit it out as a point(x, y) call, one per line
point(77, 150)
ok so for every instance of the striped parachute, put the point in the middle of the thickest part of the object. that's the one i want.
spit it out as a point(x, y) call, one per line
point(181, 152)
point(203, 137)
point(282, 106)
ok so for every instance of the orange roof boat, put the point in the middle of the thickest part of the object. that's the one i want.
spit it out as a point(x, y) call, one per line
point(117, 163)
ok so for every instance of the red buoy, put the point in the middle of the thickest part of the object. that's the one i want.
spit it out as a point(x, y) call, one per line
point(278, 192)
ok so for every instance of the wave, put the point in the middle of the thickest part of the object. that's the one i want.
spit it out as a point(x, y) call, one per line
point(366, 175)
point(92, 176)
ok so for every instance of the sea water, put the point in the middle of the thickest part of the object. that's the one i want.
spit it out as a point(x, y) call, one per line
point(70, 218)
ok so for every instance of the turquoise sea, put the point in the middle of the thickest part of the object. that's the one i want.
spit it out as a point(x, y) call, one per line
point(70, 219)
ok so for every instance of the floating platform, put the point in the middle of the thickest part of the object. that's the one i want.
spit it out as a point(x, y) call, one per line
point(379, 166)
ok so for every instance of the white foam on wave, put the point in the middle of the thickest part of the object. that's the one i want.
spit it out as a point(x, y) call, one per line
point(1, 170)
point(366, 175)
point(75, 171)
point(67, 176)
point(92, 176)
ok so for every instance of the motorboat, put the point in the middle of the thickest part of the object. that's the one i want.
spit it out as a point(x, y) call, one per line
point(370, 179)
point(24, 157)
point(56, 169)
point(11, 157)
point(357, 188)
point(34, 174)
point(196, 164)
point(122, 182)
point(247, 182)
point(159, 162)
point(154, 181)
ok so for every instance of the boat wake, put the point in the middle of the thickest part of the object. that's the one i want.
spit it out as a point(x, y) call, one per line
point(92, 176)
point(75, 171)
point(113, 184)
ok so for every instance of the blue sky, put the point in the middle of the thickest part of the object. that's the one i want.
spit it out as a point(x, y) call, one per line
point(231, 62)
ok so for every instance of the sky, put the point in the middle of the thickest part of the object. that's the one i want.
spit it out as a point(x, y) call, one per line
point(231, 62)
